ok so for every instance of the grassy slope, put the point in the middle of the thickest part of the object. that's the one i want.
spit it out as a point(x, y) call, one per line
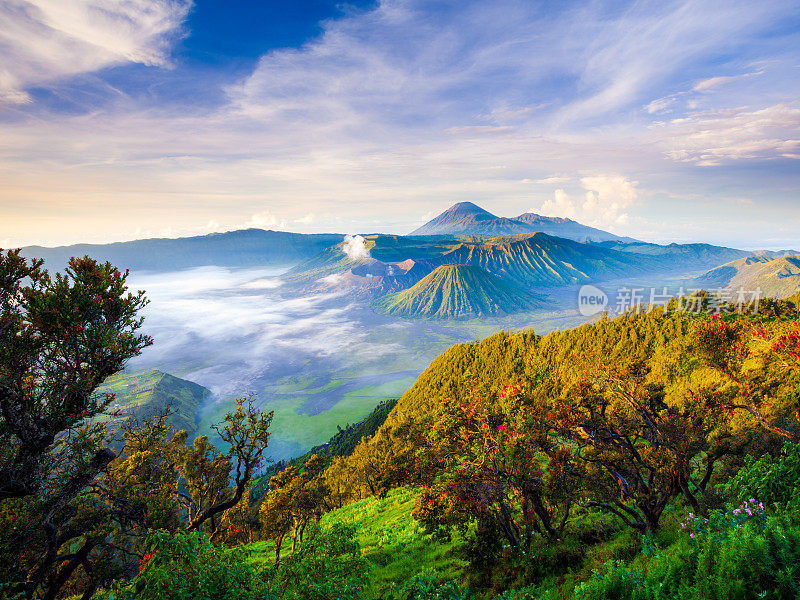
point(390, 538)
point(148, 392)
point(458, 291)
point(776, 277)
point(295, 431)
point(539, 259)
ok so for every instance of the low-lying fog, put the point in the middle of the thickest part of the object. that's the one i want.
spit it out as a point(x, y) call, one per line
point(318, 361)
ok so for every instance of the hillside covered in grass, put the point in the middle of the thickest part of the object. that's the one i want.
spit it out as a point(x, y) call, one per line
point(621, 459)
point(142, 395)
point(652, 456)
point(775, 276)
point(458, 292)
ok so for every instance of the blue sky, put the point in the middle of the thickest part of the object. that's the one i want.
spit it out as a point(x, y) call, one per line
point(666, 121)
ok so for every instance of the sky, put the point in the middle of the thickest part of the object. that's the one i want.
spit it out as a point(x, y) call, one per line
point(665, 121)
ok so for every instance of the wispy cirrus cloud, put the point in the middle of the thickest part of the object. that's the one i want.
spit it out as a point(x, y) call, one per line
point(46, 40)
point(714, 137)
point(396, 111)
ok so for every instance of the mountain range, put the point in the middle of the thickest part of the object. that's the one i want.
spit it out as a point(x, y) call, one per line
point(466, 218)
point(401, 275)
point(775, 276)
point(243, 248)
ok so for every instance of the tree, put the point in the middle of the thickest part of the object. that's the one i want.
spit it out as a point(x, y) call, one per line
point(60, 338)
point(726, 346)
point(633, 451)
point(294, 500)
point(191, 487)
point(498, 462)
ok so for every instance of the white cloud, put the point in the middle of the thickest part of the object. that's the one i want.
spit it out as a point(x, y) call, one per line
point(357, 120)
point(661, 104)
point(604, 203)
point(552, 179)
point(716, 137)
point(43, 40)
point(714, 82)
point(561, 205)
point(265, 220)
point(306, 220)
point(355, 247)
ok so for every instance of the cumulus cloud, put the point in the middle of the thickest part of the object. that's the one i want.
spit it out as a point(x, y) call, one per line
point(560, 205)
point(715, 137)
point(43, 40)
point(603, 204)
point(358, 118)
point(265, 220)
point(355, 247)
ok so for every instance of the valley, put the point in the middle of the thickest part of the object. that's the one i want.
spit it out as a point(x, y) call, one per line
point(323, 328)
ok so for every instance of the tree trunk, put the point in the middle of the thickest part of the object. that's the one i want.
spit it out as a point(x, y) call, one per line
point(278, 544)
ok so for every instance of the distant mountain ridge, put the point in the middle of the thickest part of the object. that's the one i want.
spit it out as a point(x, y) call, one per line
point(242, 248)
point(466, 218)
point(458, 292)
point(539, 259)
point(148, 393)
point(695, 256)
point(778, 276)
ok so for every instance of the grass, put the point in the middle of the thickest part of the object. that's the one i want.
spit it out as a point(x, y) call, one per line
point(145, 393)
point(295, 431)
point(390, 539)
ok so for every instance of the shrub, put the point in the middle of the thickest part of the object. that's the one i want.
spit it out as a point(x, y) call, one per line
point(427, 587)
point(328, 566)
point(186, 566)
point(771, 479)
point(728, 558)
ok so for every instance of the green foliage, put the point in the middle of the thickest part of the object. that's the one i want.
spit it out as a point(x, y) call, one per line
point(733, 559)
point(61, 336)
point(771, 479)
point(328, 566)
point(394, 542)
point(427, 587)
point(186, 566)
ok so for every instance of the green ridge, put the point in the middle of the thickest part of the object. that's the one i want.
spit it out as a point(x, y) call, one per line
point(458, 291)
point(540, 259)
point(144, 394)
point(777, 277)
